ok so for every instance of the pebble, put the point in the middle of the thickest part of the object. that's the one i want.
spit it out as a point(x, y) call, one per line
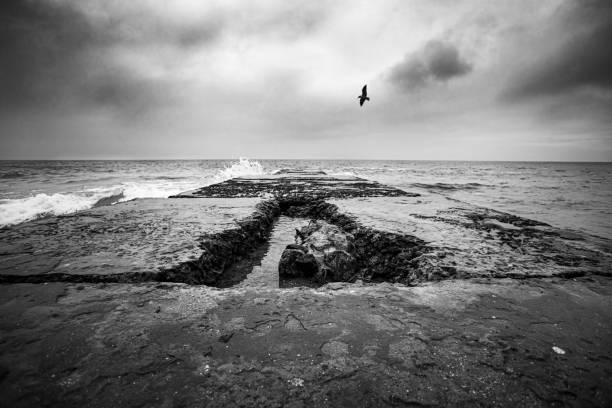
point(558, 350)
point(296, 382)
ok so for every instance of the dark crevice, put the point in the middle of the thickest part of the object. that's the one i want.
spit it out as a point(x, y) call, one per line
point(238, 271)
point(223, 250)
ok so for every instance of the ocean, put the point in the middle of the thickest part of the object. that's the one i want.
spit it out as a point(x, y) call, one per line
point(574, 196)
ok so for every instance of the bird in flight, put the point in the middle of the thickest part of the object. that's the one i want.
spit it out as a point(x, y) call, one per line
point(364, 95)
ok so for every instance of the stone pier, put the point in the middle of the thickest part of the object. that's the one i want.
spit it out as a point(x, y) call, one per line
point(399, 299)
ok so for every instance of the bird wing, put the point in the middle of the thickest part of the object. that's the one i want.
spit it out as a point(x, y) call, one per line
point(361, 101)
point(364, 90)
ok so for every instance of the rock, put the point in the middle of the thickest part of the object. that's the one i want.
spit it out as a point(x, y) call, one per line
point(341, 265)
point(326, 252)
point(321, 236)
point(296, 382)
point(296, 262)
point(558, 350)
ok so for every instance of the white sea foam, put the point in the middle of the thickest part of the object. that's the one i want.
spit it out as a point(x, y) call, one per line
point(341, 173)
point(244, 167)
point(132, 190)
point(14, 211)
point(164, 188)
point(22, 209)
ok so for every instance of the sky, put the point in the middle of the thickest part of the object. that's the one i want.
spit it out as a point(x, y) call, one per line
point(447, 79)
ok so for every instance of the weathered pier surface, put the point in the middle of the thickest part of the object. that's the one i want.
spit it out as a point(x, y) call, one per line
point(130, 241)
point(388, 234)
point(291, 183)
point(385, 298)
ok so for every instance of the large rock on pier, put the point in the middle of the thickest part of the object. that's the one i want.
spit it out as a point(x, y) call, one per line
point(297, 262)
point(325, 254)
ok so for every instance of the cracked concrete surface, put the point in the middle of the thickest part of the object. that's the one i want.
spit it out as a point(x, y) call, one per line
point(139, 236)
point(459, 343)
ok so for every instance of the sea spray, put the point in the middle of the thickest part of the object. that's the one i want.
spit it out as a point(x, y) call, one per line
point(163, 187)
point(14, 211)
point(244, 167)
point(17, 210)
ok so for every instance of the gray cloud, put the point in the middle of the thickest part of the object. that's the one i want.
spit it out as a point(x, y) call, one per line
point(99, 78)
point(293, 20)
point(437, 61)
point(53, 53)
point(40, 46)
point(583, 60)
point(64, 53)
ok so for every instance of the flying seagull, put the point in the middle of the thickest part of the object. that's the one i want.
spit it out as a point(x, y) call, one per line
point(364, 95)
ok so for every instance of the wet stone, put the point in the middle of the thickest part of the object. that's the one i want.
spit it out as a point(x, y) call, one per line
point(323, 254)
point(297, 262)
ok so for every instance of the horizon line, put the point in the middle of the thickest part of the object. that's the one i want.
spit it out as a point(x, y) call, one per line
point(307, 159)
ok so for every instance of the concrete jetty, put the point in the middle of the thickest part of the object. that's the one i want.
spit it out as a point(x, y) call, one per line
point(196, 236)
point(385, 298)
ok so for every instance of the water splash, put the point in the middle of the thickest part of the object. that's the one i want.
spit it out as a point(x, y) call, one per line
point(244, 167)
point(15, 211)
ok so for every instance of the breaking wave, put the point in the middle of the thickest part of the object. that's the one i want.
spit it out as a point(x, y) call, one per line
point(15, 211)
point(244, 167)
point(341, 173)
point(18, 210)
point(110, 200)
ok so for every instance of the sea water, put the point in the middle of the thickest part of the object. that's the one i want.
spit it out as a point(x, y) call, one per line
point(576, 196)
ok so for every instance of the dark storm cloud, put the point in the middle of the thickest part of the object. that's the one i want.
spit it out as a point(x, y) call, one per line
point(65, 53)
point(584, 60)
point(40, 46)
point(139, 26)
point(438, 61)
point(52, 53)
point(125, 92)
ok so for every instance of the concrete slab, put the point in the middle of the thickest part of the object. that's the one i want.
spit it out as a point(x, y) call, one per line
point(139, 236)
point(296, 183)
point(480, 242)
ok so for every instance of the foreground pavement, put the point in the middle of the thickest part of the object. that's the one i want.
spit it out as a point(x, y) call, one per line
point(452, 343)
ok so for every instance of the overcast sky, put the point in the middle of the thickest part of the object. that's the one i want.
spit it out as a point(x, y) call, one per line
point(448, 79)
